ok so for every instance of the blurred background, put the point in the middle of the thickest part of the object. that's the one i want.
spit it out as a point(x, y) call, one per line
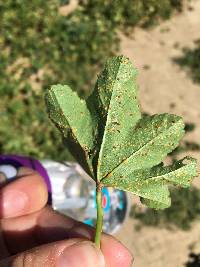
point(59, 41)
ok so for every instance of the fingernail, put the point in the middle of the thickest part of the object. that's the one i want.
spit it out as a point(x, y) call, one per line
point(13, 203)
point(81, 254)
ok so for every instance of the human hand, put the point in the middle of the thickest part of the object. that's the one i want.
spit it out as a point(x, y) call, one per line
point(33, 235)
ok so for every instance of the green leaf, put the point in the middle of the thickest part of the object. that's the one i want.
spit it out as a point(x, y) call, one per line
point(151, 183)
point(108, 137)
point(150, 141)
point(115, 99)
point(73, 119)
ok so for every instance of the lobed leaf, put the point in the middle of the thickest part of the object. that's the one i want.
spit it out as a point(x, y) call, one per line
point(108, 137)
point(152, 183)
point(115, 99)
point(72, 117)
point(150, 141)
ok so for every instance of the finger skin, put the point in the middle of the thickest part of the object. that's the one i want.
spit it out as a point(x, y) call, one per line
point(70, 253)
point(49, 226)
point(23, 196)
point(39, 228)
point(37, 225)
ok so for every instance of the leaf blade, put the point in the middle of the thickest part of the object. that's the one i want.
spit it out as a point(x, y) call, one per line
point(153, 138)
point(151, 184)
point(60, 102)
point(115, 98)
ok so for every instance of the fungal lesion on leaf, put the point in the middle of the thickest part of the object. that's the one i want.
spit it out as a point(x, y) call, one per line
point(109, 175)
point(124, 161)
point(116, 123)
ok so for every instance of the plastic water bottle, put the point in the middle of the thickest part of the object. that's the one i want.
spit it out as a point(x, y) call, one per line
point(71, 190)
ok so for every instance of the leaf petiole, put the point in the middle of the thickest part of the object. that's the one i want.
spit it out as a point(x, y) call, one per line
point(99, 223)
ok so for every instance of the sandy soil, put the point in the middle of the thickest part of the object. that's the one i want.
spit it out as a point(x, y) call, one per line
point(165, 87)
point(68, 9)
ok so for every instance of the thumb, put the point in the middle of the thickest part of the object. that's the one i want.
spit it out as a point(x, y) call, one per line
point(71, 253)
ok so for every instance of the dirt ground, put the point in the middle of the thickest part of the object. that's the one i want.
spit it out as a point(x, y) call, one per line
point(165, 87)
